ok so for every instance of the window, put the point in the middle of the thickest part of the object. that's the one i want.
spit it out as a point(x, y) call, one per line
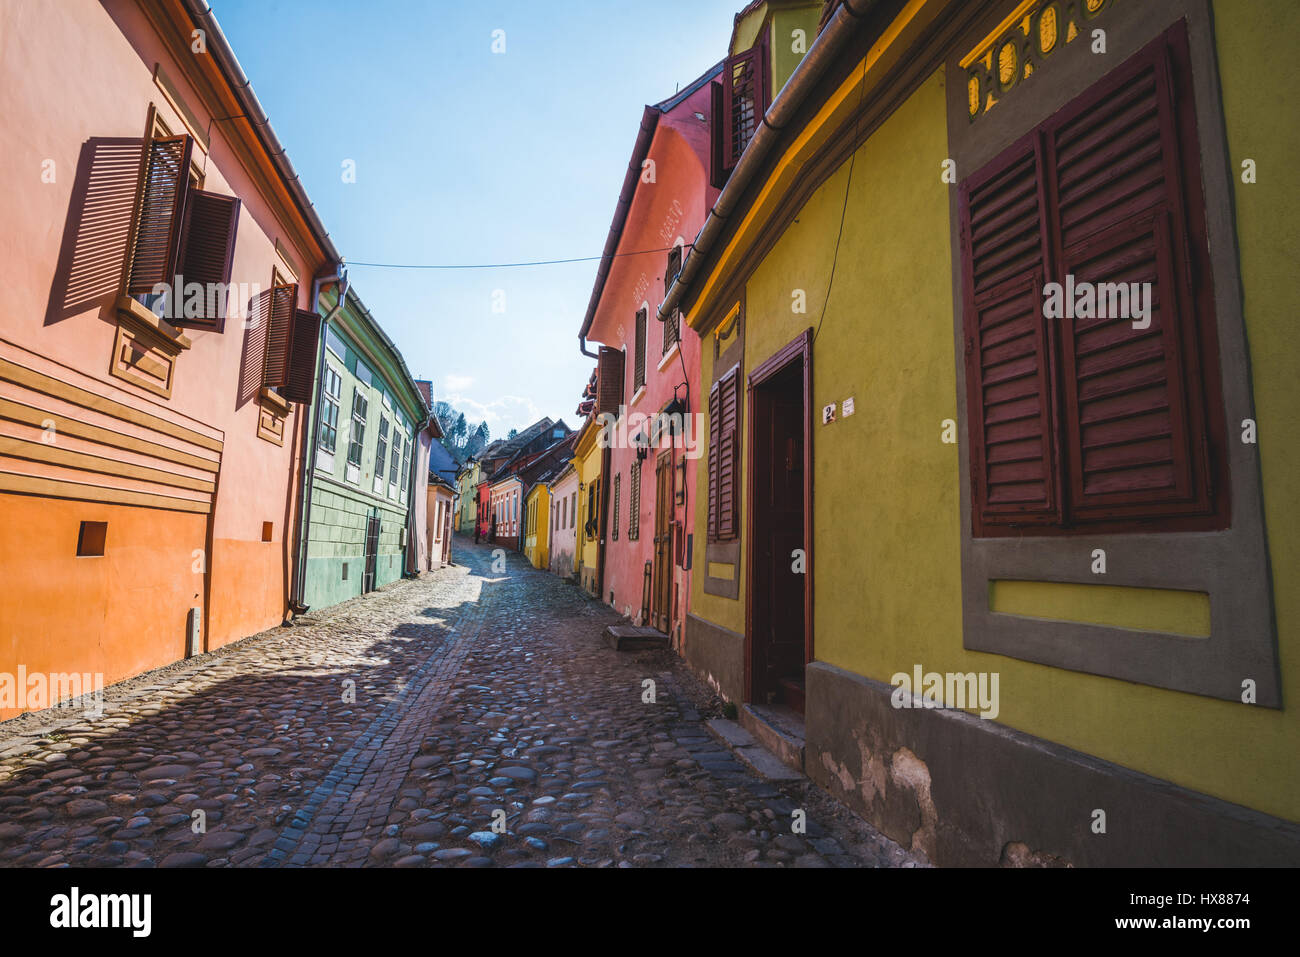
point(593, 506)
point(395, 460)
point(672, 323)
point(739, 102)
point(90, 539)
point(335, 344)
point(634, 503)
point(329, 413)
point(638, 375)
point(1091, 356)
point(180, 230)
point(406, 465)
point(573, 511)
point(609, 380)
point(381, 455)
point(363, 373)
point(268, 529)
point(724, 407)
point(618, 481)
point(357, 436)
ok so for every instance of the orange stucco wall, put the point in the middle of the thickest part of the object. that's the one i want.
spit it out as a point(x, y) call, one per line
point(74, 75)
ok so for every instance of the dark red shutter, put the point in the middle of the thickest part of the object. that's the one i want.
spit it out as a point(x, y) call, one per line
point(304, 349)
point(674, 268)
point(638, 378)
point(161, 207)
point(618, 482)
point(208, 245)
point(715, 447)
point(279, 335)
point(1009, 406)
point(718, 168)
point(1008, 345)
point(1134, 422)
point(728, 456)
point(609, 380)
point(742, 103)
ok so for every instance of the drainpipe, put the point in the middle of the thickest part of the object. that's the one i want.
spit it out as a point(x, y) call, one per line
point(307, 467)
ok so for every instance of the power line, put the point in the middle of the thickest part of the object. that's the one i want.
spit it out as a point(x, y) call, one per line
point(536, 262)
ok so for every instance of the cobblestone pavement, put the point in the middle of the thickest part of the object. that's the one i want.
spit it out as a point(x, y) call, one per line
point(478, 697)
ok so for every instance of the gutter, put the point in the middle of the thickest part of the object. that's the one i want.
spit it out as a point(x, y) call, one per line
point(828, 45)
point(219, 48)
point(306, 464)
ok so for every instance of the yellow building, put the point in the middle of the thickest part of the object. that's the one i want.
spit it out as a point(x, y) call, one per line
point(537, 523)
point(588, 461)
point(1018, 575)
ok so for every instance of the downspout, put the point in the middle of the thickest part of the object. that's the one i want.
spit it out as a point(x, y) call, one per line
point(306, 467)
point(828, 45)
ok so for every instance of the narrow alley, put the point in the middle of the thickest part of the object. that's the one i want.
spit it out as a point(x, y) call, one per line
point(475, 693)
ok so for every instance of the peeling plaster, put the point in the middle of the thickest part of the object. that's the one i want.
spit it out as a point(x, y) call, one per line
point(907, 770)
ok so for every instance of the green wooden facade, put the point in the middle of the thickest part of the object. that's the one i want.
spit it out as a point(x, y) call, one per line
point(367, 406)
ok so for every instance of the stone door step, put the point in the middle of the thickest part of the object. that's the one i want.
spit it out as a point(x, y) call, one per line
point(777, 728)
point(633, 638)
point(747, 748)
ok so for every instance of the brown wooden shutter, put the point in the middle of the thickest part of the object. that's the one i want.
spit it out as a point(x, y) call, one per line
point(671, 329)
point(715, 433)
point(279, 335)
point(634, 503)
point(618, 482)
point(638, 377)
point(718, 169)
point(728, 456)
point(609, 380)
point(742, 103)
point(303, 352)
point(1008, 345)
point(165, 182)
point(208, 245)
point(1134, 421)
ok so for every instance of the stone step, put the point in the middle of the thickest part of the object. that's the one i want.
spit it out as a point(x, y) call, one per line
point(633, 638)
point(751, 752)
point(778, 729)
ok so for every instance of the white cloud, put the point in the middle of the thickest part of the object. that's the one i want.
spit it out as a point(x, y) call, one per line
point(501, 414)
point(458, 383)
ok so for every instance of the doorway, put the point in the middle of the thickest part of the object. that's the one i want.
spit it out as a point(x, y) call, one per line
point(372, 553)
point(662, 577)
point(779, 633)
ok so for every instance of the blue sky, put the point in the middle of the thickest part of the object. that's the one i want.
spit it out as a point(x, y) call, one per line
point(463, 155)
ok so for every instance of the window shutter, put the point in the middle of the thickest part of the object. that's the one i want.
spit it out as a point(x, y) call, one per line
point(1133, 399)
point(160, 210)
point(728, 447)
point(1008, 345)
point(279, 335)
point(742, 103)
point(715, 433)
point(634, 503)
point(303, 350)
point(638, 378)
point(718, 168)
point(609, 380)
point(618, 481)
point(208, 246)
point(671, 273)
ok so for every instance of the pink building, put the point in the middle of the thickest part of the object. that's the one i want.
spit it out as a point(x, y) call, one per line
point(650, 475)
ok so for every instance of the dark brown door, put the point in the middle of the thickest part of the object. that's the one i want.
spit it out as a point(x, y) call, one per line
point(662, 579)
point(372, 553)
point(778, 575)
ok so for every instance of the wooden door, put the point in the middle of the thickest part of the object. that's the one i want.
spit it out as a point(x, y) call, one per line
point(372, 553)
point(777, 619)
point(662, 577)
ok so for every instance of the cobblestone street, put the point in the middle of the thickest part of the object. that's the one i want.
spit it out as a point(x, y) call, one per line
point(477, 695)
